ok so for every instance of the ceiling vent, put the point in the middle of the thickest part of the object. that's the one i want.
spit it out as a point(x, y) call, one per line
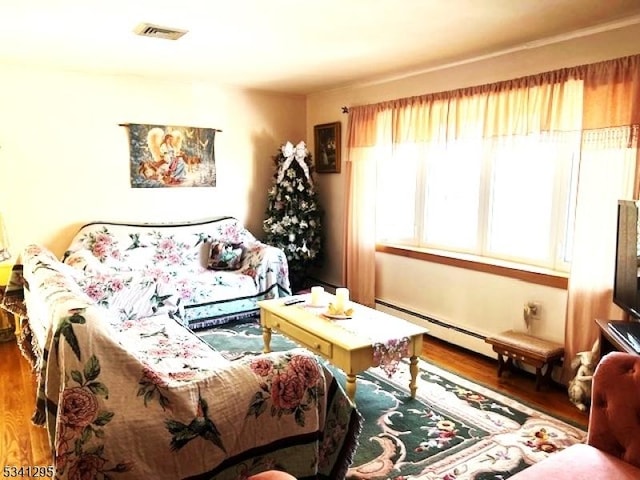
point(156, 31)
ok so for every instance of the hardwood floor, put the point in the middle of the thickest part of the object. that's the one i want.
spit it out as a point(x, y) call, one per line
point(21, 442)
point(552, 399)
point(24, 444)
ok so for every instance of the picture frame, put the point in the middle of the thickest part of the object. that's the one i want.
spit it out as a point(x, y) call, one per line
point(169, 156)
point(327, 147)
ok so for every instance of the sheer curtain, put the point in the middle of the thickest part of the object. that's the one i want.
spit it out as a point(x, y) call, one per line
point(608, 172)
point(367, 138)
point(430, 123)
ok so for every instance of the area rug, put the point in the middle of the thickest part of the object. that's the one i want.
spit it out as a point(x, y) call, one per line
point(453, 429)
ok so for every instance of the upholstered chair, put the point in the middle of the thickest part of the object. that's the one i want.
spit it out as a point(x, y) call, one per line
point(612, 450)
point(614, 422)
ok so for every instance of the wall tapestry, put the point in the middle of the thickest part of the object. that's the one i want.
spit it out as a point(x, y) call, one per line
point(172, 156)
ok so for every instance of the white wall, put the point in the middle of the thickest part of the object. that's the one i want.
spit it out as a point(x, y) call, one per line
point(64, 159)
point(473, 301)
point(479, 302)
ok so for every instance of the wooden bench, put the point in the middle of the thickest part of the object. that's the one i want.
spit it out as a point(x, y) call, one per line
point(528, 349)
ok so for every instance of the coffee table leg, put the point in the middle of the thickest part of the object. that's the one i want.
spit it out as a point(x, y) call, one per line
point(266, 338)
point(413, 368)
point(351, 386)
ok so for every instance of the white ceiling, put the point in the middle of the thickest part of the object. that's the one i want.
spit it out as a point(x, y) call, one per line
point(293, 46)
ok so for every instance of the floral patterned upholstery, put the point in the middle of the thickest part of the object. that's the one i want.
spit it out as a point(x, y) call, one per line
point(125, 395)
point(140, 270)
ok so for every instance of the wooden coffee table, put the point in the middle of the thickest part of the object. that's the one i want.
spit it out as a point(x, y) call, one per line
point(351, 352)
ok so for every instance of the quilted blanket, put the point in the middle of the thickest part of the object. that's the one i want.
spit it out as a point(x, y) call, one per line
point(143, 397)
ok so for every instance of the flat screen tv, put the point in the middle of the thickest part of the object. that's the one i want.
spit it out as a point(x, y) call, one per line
point(625, 285)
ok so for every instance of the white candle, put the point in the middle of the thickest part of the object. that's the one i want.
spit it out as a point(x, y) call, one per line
point(342, 298)
point(316, 295)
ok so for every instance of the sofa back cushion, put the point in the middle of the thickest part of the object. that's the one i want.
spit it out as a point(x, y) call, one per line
point(169, 246)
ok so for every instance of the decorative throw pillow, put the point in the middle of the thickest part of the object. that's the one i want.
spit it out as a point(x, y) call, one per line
point(225, 256)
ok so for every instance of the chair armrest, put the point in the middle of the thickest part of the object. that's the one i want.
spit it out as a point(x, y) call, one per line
point(614, 421)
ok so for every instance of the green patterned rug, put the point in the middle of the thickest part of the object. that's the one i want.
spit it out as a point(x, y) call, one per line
point(453, 430)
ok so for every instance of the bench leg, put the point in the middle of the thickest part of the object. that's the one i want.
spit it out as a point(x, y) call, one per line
point(500, 365)
point(550, 365)
point(509, 364)
point(547, 374)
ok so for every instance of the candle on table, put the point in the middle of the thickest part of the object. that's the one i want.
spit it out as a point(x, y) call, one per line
point(316, 295)
point(342, 298)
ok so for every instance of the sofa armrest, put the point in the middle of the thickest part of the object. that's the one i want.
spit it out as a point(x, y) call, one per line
point(48, 282)
point(614, 421)
point(268, 267)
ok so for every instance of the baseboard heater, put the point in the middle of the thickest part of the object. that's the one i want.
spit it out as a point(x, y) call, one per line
point(435, 321)
point(421, 316)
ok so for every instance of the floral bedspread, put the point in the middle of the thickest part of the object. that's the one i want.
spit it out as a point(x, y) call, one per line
point(143, 397)
point(139, 270)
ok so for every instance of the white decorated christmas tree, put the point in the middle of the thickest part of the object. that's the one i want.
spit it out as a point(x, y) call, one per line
point(294, 216)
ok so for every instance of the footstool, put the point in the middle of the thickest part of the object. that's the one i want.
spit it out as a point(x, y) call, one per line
point(528, 349)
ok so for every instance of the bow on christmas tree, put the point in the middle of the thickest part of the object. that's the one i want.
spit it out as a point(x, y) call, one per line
point(290, 154)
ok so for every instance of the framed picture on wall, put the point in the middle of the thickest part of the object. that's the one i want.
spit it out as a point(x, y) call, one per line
point(327, 147)
point(171, 156)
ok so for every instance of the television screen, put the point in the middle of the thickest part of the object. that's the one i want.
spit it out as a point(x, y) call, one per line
point(625, 285)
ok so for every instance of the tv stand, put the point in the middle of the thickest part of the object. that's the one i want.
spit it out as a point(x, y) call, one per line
point(611, 341)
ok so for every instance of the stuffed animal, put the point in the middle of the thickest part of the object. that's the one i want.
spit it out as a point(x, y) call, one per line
point(580, 386)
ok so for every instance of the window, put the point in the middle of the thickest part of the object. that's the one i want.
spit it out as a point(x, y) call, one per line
point(507, 197)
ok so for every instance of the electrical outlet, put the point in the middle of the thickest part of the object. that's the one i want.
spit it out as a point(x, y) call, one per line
point(535, 309)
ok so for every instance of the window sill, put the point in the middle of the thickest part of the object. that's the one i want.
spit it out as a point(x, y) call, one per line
point(525, 273)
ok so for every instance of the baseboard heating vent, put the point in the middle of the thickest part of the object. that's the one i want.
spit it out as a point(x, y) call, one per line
point(156, 31)
point(435, 321)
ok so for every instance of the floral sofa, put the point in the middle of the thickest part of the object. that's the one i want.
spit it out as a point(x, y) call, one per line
point(130, 268)
point(127, 391)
